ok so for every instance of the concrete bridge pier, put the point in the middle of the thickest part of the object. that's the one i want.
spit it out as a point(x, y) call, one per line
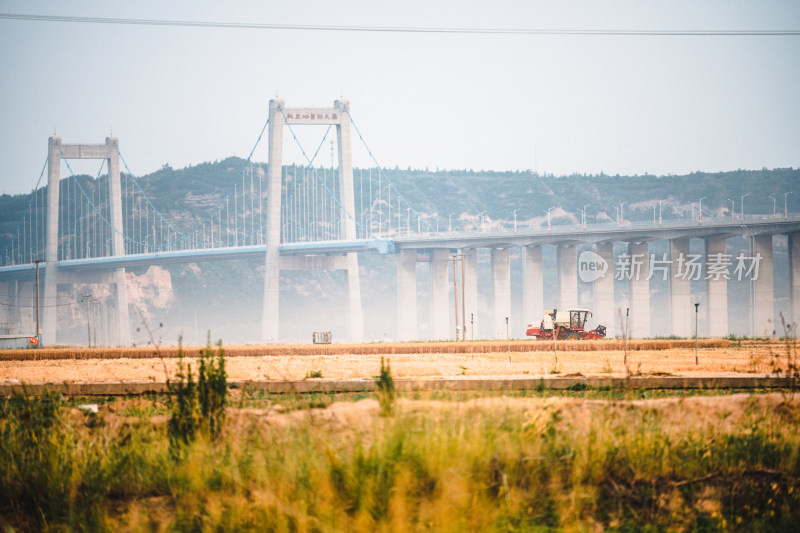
point(5, 307)
point(603, 291)
point(501, 292)
point(680, 296)
point(567, 257)
point(639, 289)
point(762, 290)
point(794, 282)
point(440, 305)
point(532, 285)
point(407, 295)
point(470, 290)
point(716, 289)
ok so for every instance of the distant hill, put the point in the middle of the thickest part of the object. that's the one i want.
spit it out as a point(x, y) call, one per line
point(188, 194)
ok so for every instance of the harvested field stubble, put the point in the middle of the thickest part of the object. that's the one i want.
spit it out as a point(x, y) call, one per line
point(382, 348)
point(766, 357)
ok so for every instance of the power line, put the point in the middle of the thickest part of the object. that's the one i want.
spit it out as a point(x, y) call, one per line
point(403, 29)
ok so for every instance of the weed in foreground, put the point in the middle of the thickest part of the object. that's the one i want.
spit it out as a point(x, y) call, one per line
point(385, 389)
point(201, 406)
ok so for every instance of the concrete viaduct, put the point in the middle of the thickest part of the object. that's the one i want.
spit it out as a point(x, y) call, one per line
point(437, 249)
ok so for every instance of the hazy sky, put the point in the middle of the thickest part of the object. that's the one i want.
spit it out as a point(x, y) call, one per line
point(557, 103)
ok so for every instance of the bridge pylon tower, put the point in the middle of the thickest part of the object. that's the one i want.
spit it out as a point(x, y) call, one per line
point(338, 115)
point(52, 278)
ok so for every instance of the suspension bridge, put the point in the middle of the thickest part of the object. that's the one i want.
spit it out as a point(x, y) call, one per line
point(308, 217)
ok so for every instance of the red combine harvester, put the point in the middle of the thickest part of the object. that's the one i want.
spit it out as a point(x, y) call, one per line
point(566, 325)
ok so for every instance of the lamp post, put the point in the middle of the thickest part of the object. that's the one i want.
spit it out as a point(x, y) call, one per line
point(654, 214)
point(700, 210)
point(733, 209)
point(742, 200)
point(408, 220)
point(450, 223)
point(774, 204)
point(659, 212)
point(617, 214)
point(696, 312)
point(515, 219)
point(548, 217)
point(622, 213)
point(583, 212)
point(480, 220)
point(785, 212)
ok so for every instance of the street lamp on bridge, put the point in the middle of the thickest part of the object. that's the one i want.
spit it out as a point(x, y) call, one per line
point(785, 212)
point(742, 201)
point(774, 205)
point(450, 223)
point(733, 209)
point(700, 211)
point(583, 214)
point(548, 217)
point(622, 213)
point(480, 220)
point(515, 219)
point(408, 220)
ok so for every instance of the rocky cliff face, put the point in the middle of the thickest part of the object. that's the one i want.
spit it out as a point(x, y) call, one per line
point(151, 290)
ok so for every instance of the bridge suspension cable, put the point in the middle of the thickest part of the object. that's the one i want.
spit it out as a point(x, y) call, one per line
point(382, 173)
point(331, 193)
point(28, 246)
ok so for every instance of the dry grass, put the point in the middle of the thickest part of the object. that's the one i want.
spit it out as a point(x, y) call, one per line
point(487, 464)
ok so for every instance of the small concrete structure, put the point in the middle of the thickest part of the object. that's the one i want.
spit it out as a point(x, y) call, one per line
point(11, 342)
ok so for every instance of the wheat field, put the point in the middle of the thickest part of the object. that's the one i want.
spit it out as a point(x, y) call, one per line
point(409, 360)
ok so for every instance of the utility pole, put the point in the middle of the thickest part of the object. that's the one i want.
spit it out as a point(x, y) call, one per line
point(696, 312)
point(455, 295)
point(86, 296)
point(627, 316)
point(508, 341)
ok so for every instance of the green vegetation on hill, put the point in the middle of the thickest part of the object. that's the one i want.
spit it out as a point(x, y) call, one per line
point(190, 193)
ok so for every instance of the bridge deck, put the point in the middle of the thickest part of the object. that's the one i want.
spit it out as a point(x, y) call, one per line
point(569, 235)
